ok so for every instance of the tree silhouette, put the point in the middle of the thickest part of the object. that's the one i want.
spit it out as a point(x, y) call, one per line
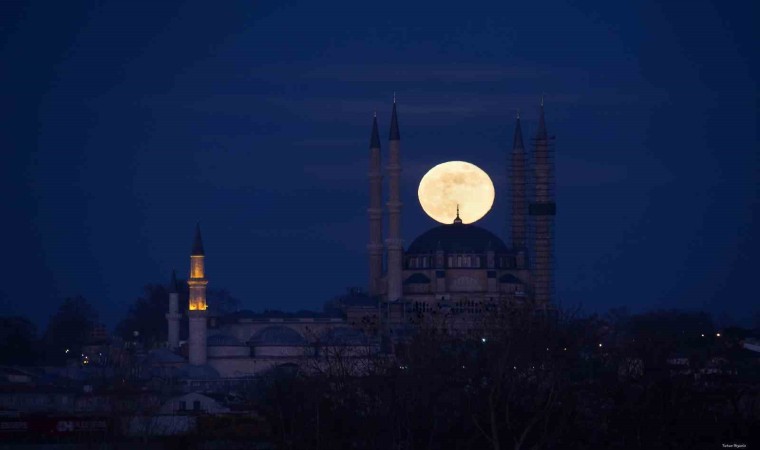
point(146, 318)
point(69, 329)
point(18, 341)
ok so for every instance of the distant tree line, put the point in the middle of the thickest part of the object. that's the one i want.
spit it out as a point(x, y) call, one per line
point(71, 327)
point(516, 380)
point(525, 382)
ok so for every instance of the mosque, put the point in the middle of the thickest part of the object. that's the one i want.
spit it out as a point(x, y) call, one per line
point(454, 270)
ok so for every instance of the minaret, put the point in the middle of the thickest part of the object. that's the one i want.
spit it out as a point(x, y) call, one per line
point(375, 211)
point(197, 306)
point(394, 244)
point(519, 196)
point(543, 210)
point(173, 316)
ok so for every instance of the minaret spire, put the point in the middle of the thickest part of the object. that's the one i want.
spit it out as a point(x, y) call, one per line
point(518, 180)
point(375, 212)
point(173, 285)
point(541, 132)
point(394, 134)
point(173, 316)
point(543, 209)
point(198, 243)
point(197, 305)
point(394, 243)
point(374, 140)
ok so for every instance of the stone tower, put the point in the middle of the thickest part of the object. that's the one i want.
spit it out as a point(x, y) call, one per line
point(519, 195)
point(173, 316)
point(197, 307)
point(543, 210)
point(375, 212)
point(394, 243)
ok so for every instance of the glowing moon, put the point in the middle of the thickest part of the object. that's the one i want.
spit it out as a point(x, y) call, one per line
point(456, 183)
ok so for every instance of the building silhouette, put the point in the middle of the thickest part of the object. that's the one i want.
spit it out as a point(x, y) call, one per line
point(459, 269)
point(456, 271)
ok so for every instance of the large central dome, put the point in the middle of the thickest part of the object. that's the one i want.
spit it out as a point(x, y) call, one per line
point(457, 238)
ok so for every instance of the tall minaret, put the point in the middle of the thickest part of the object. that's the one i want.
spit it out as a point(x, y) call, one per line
point(375, 211)
point(543, 210)
point(519, 197)
point(197, 306)
point(173, 316)
point(394, 243)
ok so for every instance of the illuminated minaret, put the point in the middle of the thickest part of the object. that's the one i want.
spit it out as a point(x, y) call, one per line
point(543, 210)
point(197, 306)
point(375, 211)
point(519, 196)
point(173, 316)
point(394, 244)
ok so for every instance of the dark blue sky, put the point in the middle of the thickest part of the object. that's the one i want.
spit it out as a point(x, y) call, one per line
point(124, 123)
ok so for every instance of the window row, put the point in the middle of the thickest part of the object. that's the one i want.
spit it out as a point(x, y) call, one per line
point(458, 261)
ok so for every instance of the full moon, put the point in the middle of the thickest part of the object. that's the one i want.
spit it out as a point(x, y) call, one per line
point(456, 183)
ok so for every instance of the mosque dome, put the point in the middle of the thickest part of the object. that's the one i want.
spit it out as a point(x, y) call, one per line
point(457, 238)
point(278, 335)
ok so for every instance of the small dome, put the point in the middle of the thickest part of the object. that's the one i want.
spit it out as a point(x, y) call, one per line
point(222, 340)
point(278, 335)
point(457, 238)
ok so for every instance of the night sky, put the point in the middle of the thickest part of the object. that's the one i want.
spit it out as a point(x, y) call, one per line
point(125, 122)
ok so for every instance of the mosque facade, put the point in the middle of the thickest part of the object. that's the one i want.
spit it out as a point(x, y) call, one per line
point(461, 270)
point(452, 270)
